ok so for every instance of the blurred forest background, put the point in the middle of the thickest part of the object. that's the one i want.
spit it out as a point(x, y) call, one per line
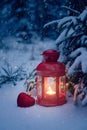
point(24, 19)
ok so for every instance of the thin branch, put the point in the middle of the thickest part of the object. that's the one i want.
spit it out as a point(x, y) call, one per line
point(74, 11)
point(52, 22)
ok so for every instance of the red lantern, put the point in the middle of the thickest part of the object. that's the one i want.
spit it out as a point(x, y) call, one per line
point(50, 80)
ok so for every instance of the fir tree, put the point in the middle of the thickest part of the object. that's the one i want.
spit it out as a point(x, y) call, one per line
point(72, 42)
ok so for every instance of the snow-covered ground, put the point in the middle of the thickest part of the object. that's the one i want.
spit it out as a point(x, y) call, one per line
point(64, 117)
point(37, 117)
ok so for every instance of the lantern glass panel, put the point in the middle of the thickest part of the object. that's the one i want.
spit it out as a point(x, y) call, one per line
point(61, 86)
point(39, 88)
point(49, 86)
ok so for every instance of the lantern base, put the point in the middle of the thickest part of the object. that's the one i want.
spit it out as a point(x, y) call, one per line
point(49, 104)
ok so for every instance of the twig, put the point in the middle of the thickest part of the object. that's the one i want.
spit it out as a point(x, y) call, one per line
point(74, 11)
point(52, 22)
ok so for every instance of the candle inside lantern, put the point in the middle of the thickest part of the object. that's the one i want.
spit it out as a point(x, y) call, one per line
point(50, 85)
point(50, 91)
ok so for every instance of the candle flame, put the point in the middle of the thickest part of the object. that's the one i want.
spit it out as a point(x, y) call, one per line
point(50, 91)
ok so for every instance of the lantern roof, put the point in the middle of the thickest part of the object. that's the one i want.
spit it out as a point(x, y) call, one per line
point(50, 55)
point(50, 52)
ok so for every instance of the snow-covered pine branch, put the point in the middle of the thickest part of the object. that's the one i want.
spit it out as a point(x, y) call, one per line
point(83, 40)
point(81, 59)
point(83, 15)
point(80, 50)
point(63, 37)
point(62, 21)
point(52, 22)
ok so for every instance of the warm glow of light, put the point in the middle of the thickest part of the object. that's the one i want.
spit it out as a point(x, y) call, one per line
point(67, 85)
point(50, 91)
